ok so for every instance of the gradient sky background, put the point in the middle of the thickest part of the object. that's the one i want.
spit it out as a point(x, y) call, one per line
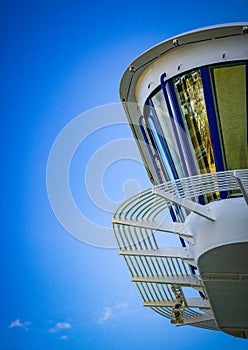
point(60, 59)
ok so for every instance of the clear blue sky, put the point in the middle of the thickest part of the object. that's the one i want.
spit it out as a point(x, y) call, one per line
point(60, 59)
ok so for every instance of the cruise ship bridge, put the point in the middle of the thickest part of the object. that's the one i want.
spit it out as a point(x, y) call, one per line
point(185, 240)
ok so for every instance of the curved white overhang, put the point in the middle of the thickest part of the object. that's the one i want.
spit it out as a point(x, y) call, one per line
point(217, 45)
point(190, 56)
point(204, 37)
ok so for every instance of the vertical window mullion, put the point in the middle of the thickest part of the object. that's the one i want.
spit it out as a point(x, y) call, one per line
point(212, 119)
point(182, 133)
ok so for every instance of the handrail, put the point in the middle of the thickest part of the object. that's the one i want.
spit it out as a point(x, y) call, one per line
point(157, 271)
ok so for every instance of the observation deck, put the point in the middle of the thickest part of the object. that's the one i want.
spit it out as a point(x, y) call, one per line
point(165, 275)
point(185, 240)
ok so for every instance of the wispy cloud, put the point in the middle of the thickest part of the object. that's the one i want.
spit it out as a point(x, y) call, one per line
point(105, 315)
point(123, 305)
point(60, 326)
point(18, 323)
point(109, 313)
point(64, 337)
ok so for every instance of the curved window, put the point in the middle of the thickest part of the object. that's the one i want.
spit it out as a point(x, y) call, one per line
point(167, 169)
point(191, 101)
point(162, 137)
point(230, 97)
point(161, 154)
point(197, 121)
point(163, 117)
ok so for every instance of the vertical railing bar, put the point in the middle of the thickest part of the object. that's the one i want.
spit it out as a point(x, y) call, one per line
point(151, 292)
point(121, 231)
point(133, 266)
point(158, 262)
point(139, 266)
point(155, 292)
point(169, 266)
point(145, 291)
point(142, 293)
point(145, 267)
point(131, 269)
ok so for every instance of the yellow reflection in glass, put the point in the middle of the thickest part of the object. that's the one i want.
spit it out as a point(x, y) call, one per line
point(189, 90)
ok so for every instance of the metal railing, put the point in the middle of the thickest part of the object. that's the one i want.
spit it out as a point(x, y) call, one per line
point(198, 185)
point(159, 271)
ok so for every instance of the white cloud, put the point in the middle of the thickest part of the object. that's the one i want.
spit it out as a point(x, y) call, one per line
point(64, 337)
point(105, 315)
point(123, 305)
point(59, 326)
point(112, 312)
point(18, 323)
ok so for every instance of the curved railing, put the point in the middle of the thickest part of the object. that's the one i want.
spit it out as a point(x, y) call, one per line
point(198, 185)
point(163, 275)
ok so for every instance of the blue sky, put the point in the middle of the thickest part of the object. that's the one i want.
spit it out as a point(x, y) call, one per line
point(61, 59)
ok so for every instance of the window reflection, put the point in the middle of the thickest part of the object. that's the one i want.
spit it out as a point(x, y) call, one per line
point(167, 130)
point(230, 97)
point(225, 88)
point(190, 96)
point(158, 143)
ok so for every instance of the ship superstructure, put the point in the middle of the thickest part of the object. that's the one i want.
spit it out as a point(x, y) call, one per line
point(186, 101)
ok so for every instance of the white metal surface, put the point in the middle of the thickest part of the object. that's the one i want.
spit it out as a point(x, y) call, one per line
point(203, 35)
point(190, 56)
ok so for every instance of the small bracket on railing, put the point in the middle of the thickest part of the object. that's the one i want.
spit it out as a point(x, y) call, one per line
point(178, 309)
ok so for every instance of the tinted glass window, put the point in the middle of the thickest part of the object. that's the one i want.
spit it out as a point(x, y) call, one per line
point(191, 101)
point(168, 134)
point(231, 105)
